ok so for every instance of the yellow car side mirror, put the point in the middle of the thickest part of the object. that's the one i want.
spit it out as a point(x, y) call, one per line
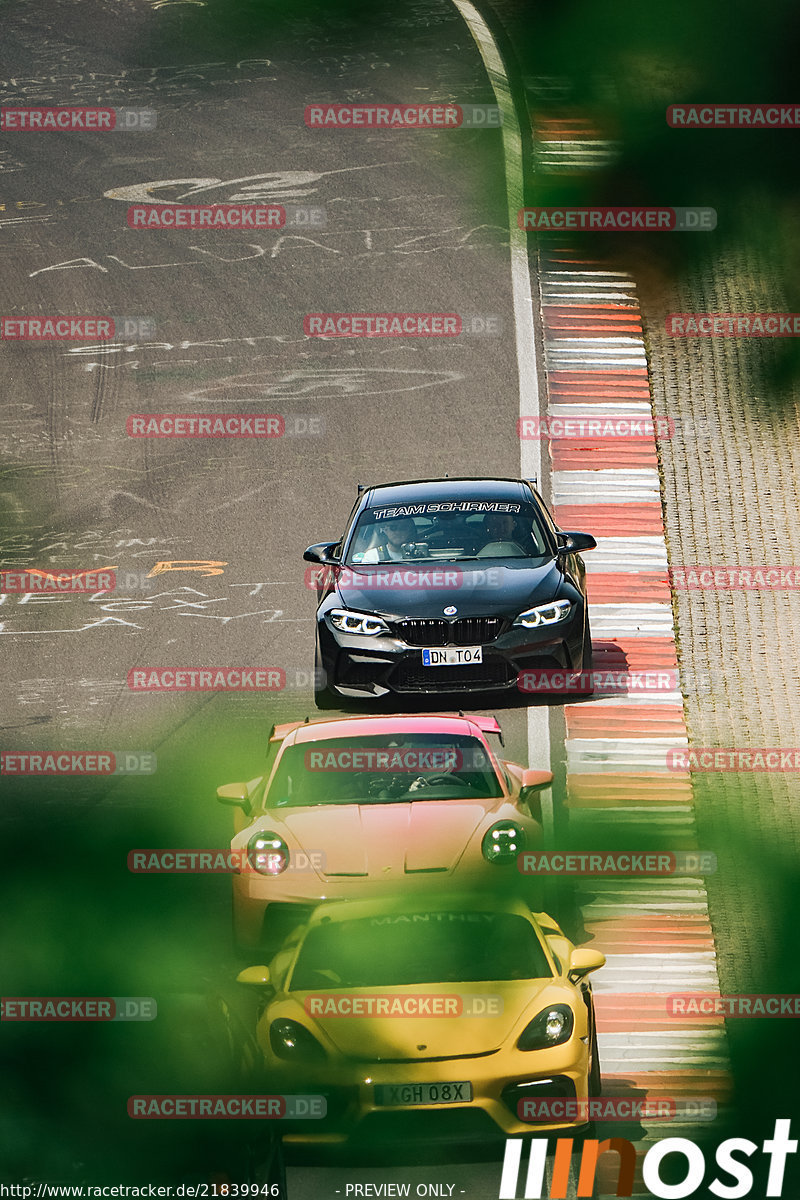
point(254, 976)
point(583, 962)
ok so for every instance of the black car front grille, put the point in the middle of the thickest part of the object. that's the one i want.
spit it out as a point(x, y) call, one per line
point(559, 1087)
point(466, 631)
point(361, 673)
point(411, 676)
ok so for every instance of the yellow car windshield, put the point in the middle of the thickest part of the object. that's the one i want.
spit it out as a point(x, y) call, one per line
point(420, 947)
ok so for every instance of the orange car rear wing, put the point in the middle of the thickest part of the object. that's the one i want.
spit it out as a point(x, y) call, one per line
point(486, 725)
point(278, 732)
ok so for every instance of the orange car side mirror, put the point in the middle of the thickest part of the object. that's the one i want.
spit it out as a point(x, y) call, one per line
point(535, 781)
point(235, 794)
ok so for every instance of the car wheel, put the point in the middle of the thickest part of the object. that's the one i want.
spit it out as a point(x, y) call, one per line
point(324, 697)
point(268, 1168)
point(586, 649)
point(587, 683)
point(231, 1043)
point(595, 1080)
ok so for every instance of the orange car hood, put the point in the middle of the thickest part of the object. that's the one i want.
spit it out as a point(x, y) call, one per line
point(389, 840)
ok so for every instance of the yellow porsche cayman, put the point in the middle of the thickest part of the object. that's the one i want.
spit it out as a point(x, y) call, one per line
point(443, 1017)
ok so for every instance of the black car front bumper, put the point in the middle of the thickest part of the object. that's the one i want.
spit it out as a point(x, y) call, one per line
point(362, 667)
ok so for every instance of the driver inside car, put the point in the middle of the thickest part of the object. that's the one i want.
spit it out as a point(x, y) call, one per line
point(388, 540)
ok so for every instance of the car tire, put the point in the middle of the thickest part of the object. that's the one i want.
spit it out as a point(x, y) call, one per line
point(219, 1031)
point(231, 1042)
point(587, 687)
point(324, 697)
point(595, 1078)
point(586, 649)
point(268, 1167)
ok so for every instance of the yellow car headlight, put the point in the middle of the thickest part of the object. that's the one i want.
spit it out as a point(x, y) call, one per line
point(291, 1040)
point(552, 1027)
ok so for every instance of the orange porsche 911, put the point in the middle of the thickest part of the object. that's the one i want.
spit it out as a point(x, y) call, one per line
point(356, 807)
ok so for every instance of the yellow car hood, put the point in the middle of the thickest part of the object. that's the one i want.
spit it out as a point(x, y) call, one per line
point(382, 1038)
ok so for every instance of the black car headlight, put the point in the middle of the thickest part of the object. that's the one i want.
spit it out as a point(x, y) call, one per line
point(545, 614)
point(293, 1041)
point(354, 622)
point(503, 842)
point(268, 853)
point(551, 1027)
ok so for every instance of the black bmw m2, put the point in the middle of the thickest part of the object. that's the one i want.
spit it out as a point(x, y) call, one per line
point(440, 586)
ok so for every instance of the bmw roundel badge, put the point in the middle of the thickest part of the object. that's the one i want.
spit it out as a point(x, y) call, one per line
point(451, 610)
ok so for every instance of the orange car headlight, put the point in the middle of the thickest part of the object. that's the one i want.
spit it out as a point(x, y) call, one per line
point(551, 1027)
point(267, 853)
point(503, 842)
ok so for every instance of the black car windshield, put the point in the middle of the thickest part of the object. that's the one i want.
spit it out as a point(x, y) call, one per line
point(383, 769)
point(448, 531)
point(420, 947)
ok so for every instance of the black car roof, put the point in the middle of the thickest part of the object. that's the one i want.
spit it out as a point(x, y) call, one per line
point(421, 490)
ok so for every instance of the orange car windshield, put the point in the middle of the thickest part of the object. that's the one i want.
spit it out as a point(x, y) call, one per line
point(420, 947)
point(383, 769)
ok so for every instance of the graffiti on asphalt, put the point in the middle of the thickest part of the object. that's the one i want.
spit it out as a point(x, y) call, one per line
point(176, 600)
point(352, 246)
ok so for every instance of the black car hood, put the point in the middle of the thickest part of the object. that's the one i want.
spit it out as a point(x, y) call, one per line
point(475, 589)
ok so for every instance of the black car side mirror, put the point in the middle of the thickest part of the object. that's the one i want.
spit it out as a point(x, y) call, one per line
point(322, 552)
point(574, 543)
